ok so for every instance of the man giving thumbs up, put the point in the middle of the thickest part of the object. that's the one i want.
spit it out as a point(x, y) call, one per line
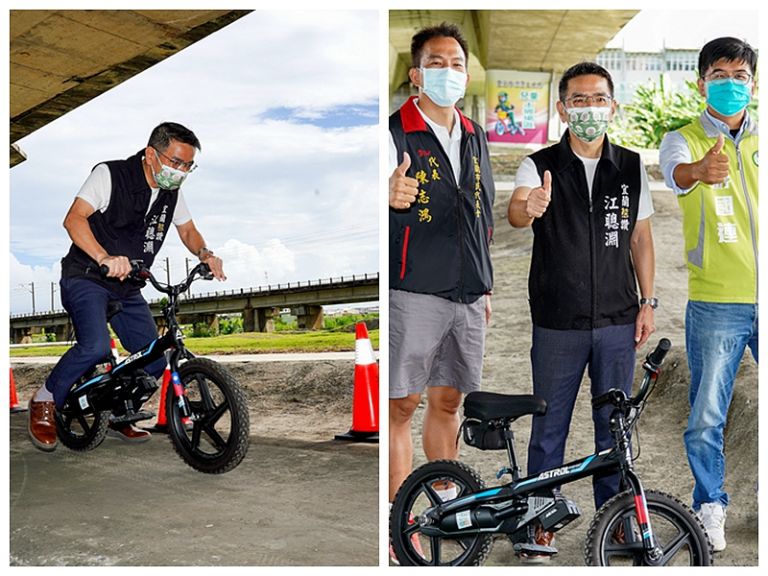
point(441, 194)
point(712, 166)
point(588, 203)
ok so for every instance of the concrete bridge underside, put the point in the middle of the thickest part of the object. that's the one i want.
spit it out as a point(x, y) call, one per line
point(258, 306)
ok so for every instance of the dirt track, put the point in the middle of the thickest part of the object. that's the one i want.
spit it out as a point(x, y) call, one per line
point(662, 464)
point(288, 503)
point(297, 400)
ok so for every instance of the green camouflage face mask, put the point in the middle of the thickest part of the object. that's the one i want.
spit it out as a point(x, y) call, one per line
point(588, 123)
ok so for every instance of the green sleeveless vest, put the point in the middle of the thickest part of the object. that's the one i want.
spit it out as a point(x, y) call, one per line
point(720, 222)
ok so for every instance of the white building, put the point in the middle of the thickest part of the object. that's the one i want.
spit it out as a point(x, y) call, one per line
point(633, 69)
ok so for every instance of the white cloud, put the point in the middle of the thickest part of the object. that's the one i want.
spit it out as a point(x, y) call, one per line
point(23, 277)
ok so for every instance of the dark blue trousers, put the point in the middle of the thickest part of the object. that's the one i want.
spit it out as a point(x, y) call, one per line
point(86, 302)
point(559, 358)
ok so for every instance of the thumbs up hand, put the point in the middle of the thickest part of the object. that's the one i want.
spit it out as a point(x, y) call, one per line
point(402, 189)
point(539, 198)
point(713, 167)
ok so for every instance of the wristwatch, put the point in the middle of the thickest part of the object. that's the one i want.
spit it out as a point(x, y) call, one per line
point(652, 302)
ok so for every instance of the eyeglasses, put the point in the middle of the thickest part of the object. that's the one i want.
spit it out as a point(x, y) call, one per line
point(739, 77)
point(178, 164)
point(599, 100)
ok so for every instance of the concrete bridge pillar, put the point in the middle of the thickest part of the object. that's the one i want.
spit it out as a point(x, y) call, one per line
point(266, 319)
point(213, 323)
point(259, 319)
point(309, 317)
point(19, 334)
point(60, 331)
point(249, 319)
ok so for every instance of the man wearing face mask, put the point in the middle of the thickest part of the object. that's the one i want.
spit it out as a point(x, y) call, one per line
point(589, 205)
point(122, 212)
point(712, 166)
point(441, 194)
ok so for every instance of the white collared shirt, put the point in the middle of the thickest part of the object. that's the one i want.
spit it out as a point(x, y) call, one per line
point(451, 142)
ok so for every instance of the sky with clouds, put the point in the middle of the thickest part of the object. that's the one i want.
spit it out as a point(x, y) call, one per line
point(285, 105)
point(654, 30)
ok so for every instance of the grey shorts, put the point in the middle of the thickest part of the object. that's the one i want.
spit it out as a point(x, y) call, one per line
point(434, 342)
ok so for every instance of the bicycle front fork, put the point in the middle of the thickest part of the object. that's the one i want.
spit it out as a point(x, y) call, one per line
point(653, 552)
point(180, 397)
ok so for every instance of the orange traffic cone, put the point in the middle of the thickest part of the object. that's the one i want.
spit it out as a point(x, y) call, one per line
point(113, 347)
point(161, 425)
point(365, 393)
point(115, 353)
point(14, 398)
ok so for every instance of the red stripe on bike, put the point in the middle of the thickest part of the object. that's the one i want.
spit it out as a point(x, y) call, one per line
point(640, 508)
point(405, 251)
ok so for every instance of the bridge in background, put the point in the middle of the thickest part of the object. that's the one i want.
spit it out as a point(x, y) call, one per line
point(258, 306)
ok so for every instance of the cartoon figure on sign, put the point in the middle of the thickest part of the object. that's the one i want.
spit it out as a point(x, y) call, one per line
point(505, 112)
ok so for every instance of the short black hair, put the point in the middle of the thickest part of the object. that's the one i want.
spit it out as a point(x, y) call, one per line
point(444, 30)
point(731, 49)
point(583, 69)
point(163, 133)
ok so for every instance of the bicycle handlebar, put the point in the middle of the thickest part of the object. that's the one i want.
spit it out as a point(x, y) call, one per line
point(656, 358)
point(140, 272)
point(652, 367)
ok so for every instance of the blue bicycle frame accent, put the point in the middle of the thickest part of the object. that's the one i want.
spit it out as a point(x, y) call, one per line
point(608, 461)
point(153, 351)
point(567, 470)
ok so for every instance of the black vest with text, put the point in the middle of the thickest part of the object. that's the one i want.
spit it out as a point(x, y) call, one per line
point(581, 274)
point(125, 228)
point(440, 245)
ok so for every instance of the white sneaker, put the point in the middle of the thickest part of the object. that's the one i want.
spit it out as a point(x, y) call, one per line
point(712, 515)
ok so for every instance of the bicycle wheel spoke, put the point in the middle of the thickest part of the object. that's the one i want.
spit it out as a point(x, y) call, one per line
point(411, 529)
point(83, 423)
point(624, 549)
point(677, 543)
point(434, 497)
point(205, 394)
point(195, 440)
point(215, 415)
point(434, 543)
point(213, 434)
point(465, 543)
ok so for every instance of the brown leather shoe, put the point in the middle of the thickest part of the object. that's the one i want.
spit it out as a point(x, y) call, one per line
point(542, 538)
point(42, 425)
point(129, 433)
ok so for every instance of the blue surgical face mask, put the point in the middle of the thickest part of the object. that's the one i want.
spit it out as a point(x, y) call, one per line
point(728, 97)
point(444, 86)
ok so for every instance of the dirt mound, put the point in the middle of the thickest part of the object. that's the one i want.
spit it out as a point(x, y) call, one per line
point(297, 400)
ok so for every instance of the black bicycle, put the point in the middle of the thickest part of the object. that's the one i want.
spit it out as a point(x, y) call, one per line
point(443, 513)
point(206, 410)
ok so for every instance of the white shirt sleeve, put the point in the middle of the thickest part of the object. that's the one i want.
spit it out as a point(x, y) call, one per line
point(393, 163)
point(181, 214)
point(645, 206)
point(97, 188)
point(672, 152)
point(527, 175)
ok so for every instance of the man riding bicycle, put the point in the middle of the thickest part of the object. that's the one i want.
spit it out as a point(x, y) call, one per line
point(121, 213)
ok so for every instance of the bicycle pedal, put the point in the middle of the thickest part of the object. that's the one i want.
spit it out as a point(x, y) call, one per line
point(534, 549)
point(131, 418)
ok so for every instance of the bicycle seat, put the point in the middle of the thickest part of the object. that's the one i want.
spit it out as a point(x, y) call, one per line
point(490, 405)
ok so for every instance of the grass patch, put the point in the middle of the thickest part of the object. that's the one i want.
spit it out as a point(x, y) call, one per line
point(243, 343)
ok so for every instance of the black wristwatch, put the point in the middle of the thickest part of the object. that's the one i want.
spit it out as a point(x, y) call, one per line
point(652, 302)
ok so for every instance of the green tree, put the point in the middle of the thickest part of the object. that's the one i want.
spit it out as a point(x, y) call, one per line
point(654, 111)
